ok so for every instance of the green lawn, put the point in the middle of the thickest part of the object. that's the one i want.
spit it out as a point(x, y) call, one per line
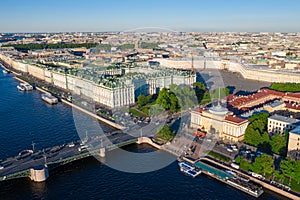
point(136, 113)
point(219, 157)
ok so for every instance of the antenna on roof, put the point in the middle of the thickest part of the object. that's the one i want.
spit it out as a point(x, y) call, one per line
point(219, 105)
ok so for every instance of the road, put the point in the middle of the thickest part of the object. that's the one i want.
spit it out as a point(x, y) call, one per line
point(55, 154)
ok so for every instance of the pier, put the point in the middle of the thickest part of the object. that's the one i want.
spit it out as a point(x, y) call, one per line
point(207, 163)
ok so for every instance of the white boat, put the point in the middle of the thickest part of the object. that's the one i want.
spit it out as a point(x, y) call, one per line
point(25, 87)
point(4, 71)
point(49, 99)
point(21, 88)
point(189, 169)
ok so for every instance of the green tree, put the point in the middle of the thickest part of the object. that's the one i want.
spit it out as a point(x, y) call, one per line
point(219, 92)
point(186, 96)
point(142, 100)
point(174, 103)
point(156, 110)
point(286, 87)
point(165, 133)
point(264, 145)
point(279, 176)
point(252, 136)
point(163, 99)
point(255, 132)
point(288, 169)
point(278, 144)
point(206, 98)
point(200, 86)
point(265, 138)
point(297, 172)
point(263, 165)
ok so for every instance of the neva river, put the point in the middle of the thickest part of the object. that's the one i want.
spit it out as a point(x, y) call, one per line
point(25, 118)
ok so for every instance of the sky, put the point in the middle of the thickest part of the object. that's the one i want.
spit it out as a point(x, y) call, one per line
point(124, 15)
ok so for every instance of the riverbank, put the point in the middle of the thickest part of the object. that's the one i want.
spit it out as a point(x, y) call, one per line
point(115, 125)
point(173, 154)
point(257, 181)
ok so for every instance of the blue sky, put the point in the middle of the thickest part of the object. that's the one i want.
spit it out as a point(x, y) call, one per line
point(118, 15)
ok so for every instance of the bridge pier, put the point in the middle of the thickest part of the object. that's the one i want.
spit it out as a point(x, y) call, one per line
point(102, 152)
point(39, 174)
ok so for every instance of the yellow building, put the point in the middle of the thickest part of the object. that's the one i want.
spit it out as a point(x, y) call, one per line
point(294, 144)
point(218, 120)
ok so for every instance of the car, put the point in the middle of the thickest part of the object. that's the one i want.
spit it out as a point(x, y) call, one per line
point(234, 148)
point(1, 167)
point(83, 148)
point(71, 145)
point(229, 150)
point(234, 165)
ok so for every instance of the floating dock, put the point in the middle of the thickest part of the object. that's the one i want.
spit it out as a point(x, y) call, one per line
point(231, 179)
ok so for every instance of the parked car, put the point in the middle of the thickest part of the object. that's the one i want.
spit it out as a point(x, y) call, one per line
point(233, 165)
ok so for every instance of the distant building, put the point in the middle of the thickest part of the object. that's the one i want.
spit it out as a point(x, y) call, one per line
point(217, 120)
point(294, 144)
point(278, 124)
point(281, 100)
point(274, 106)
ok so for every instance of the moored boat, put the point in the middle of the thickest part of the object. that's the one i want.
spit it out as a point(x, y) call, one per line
point(189, 169)
point(21, 88)
point(49, 99)
point(25, 87)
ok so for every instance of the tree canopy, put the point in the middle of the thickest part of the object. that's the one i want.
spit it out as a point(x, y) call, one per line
point(165, 133)
point(286, 87)
point(278, 143)
point(263, 165)
point(168, 100)
point(142, 100)
point(254, 134)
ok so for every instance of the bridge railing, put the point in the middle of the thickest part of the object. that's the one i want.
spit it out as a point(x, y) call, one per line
point(21, 174)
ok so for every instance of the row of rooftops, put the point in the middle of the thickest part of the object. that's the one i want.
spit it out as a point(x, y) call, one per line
point(284, 119)
point(240, 100)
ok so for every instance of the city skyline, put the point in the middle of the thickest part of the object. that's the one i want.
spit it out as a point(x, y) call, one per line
point(99, 16)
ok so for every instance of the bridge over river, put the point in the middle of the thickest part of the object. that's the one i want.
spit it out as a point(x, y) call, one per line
point(35, 165)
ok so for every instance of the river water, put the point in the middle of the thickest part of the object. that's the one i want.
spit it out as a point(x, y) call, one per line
point(25, 118)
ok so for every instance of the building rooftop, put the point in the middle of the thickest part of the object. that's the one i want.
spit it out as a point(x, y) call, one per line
point(296, 130)
point(234, 119)
point(276, 104)
point(284, 119)
point(293, 106)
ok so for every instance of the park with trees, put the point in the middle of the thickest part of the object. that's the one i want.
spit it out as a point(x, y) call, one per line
point(286, 87)
point(256, 135)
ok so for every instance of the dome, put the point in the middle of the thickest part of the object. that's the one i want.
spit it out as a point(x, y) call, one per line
point(218, 110)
